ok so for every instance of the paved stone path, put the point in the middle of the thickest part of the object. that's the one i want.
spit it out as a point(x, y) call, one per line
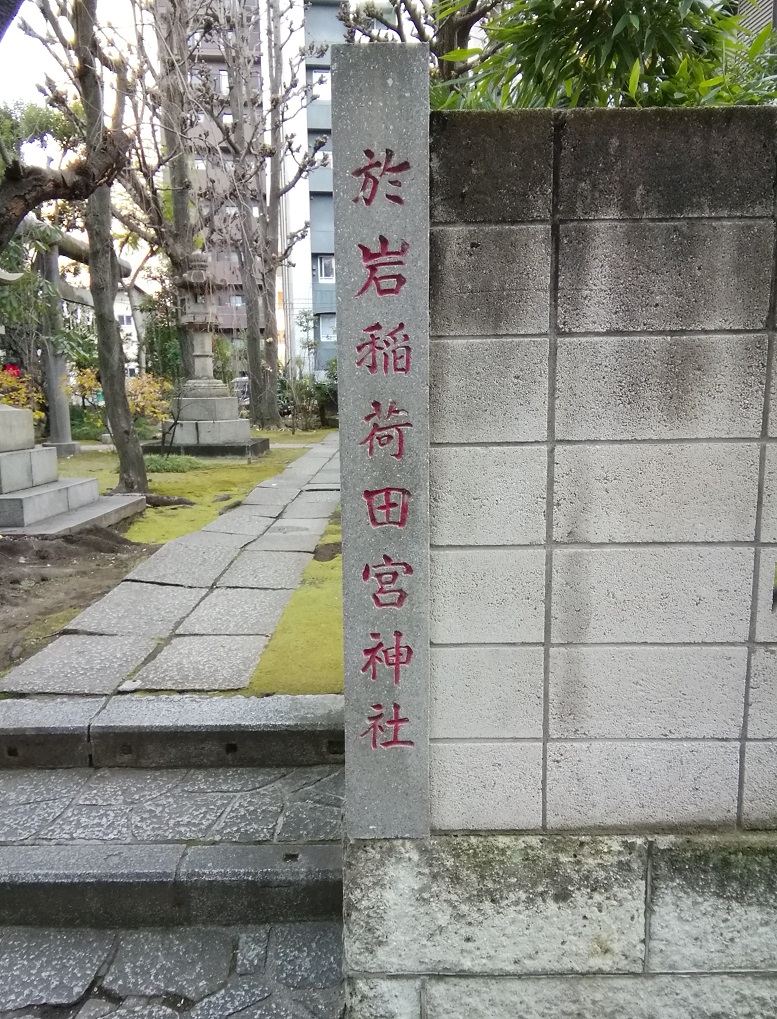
point(202, 805)
point(286, 971)
point(198, 614)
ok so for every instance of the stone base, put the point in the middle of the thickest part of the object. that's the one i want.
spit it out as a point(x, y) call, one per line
point(16, 429)
point(33, 505)
point(236, 431)
point(206, 408)
point(252, 448)
point(104, 512)
point(26, 468)
point(64, 449)
point(573, 927)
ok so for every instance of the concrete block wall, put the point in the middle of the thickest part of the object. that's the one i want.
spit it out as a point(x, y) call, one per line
point(603, 471)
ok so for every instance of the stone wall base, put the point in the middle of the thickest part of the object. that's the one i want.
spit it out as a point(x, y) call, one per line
point(562, 927)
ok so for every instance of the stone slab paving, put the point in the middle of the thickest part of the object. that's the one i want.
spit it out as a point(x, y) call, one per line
point(175, 806)
point(231, 579)
point(79, 665)
point(280, 971)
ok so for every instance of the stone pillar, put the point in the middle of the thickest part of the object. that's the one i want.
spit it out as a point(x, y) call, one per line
point(60, 436)
point(207, 418)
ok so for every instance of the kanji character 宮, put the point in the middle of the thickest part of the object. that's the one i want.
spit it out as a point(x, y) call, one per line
point(392, 656)
point(371, 180)
point(383, 258)
point(388, 595)
point(384, 432)
point(387, 506)
point(376, 726)
point(391, 351)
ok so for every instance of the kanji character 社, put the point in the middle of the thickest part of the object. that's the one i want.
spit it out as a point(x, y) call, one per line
point(377, 724)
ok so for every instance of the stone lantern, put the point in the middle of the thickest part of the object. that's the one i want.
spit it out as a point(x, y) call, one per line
point(207, 419)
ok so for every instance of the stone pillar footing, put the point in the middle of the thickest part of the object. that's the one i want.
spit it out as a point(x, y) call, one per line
point(64, 449)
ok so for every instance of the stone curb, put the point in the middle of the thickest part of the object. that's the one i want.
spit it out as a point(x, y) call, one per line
point(171, 731)
point(164, 885)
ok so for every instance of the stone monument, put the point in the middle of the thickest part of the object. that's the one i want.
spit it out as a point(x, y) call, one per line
point(206, 417)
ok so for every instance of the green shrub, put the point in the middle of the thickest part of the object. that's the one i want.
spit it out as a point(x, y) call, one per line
point(158, 463)
point(86, 425)
point(146, 429)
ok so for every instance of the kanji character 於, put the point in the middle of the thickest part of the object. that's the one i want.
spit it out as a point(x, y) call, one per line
point(396, 656)
point(387, 573)
point(377, 724)
point(385, 433)
point(390, 352)
point(383, 258)
point(371, 179)
point(387, 507)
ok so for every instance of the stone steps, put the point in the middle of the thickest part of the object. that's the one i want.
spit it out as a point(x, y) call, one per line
point(103, 512)
point(171, 731)
point(26, 507)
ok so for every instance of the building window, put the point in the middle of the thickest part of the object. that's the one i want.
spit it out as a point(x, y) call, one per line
point(322, 85)
point(227, 119)
point(236, 300)
point(327, 328)
point(199, 163)
point(326, 268)
point(223, 82)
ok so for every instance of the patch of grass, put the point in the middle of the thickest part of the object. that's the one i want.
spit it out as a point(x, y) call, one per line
point(158, 463)
point(215, 477)
point(305, 654)
point(282, 435)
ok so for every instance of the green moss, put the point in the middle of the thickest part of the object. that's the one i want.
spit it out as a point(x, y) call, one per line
point(735, 867)
point(286, 435)
point(305, 654)
point(215, 477)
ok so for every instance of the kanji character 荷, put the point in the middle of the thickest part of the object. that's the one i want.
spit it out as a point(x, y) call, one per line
point(384, 432)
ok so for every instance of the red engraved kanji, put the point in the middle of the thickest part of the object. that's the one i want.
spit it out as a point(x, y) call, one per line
point(377, 723)
point(387, 573)
point(385, 433)
point(389, 353)
point(387, 507)
point(374, 171)
point(384, 258)
point(395, 656)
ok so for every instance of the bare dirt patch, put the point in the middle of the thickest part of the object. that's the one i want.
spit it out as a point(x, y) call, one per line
point(45, 582)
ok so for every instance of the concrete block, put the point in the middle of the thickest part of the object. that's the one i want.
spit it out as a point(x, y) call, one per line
point(486, 693)
point(207, 408)
point(32, 505)
point(211, 539)
point(489, 280)
point(237, 611)
point(487, 596)
point(16, 471)
point(646, 692)
point(642, 784)
point(762, 710)
point(678, 492)
point(612, 997)
point(622, 164)
point(759, 800)
point(79, 665)
point(62, 450)
point(140, 610)
point(201, 663)
point(82, 494)
point(44, 464)
point(46, 732)
point(16, 429)
point(181, 963)
point(651, 595)
point(284, 543)
point(276, 500)
point(460, 373)
point(485, 786)
point(104, 512)
point(482, 496)
point(383, 999)
point(769, 513)
point(714, 903)
point(660, 387)
point(50, 968)
point(490, 169)
point(489, 904)
point(766, 603)
point(693, 274)
point(182, 730)
point(208, 433)
point(177, 565)
point(311, 505)
point(280, 570)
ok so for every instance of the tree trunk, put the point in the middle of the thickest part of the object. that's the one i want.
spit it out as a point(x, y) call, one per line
point(103, 266)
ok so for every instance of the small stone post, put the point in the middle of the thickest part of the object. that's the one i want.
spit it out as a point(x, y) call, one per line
point(60, 436)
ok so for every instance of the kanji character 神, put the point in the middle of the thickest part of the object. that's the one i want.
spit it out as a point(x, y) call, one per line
point(392, 656)
point(384, 432)
point(388, 595)
point(371, 179)
point(387, 506)
point(376, 726)
point(391, 352)
point(383, 258)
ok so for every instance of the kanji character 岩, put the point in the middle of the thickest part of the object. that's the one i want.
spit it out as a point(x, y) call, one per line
point(388, 595)
point(371, 179)
point(391, 352)
point(384, 258)
point(377, 724)
point(387, 506)
point(392, 656)
point(384, 432)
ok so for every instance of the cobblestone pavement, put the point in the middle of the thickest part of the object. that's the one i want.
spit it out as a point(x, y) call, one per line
point(287, 971)
point(172, 805)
